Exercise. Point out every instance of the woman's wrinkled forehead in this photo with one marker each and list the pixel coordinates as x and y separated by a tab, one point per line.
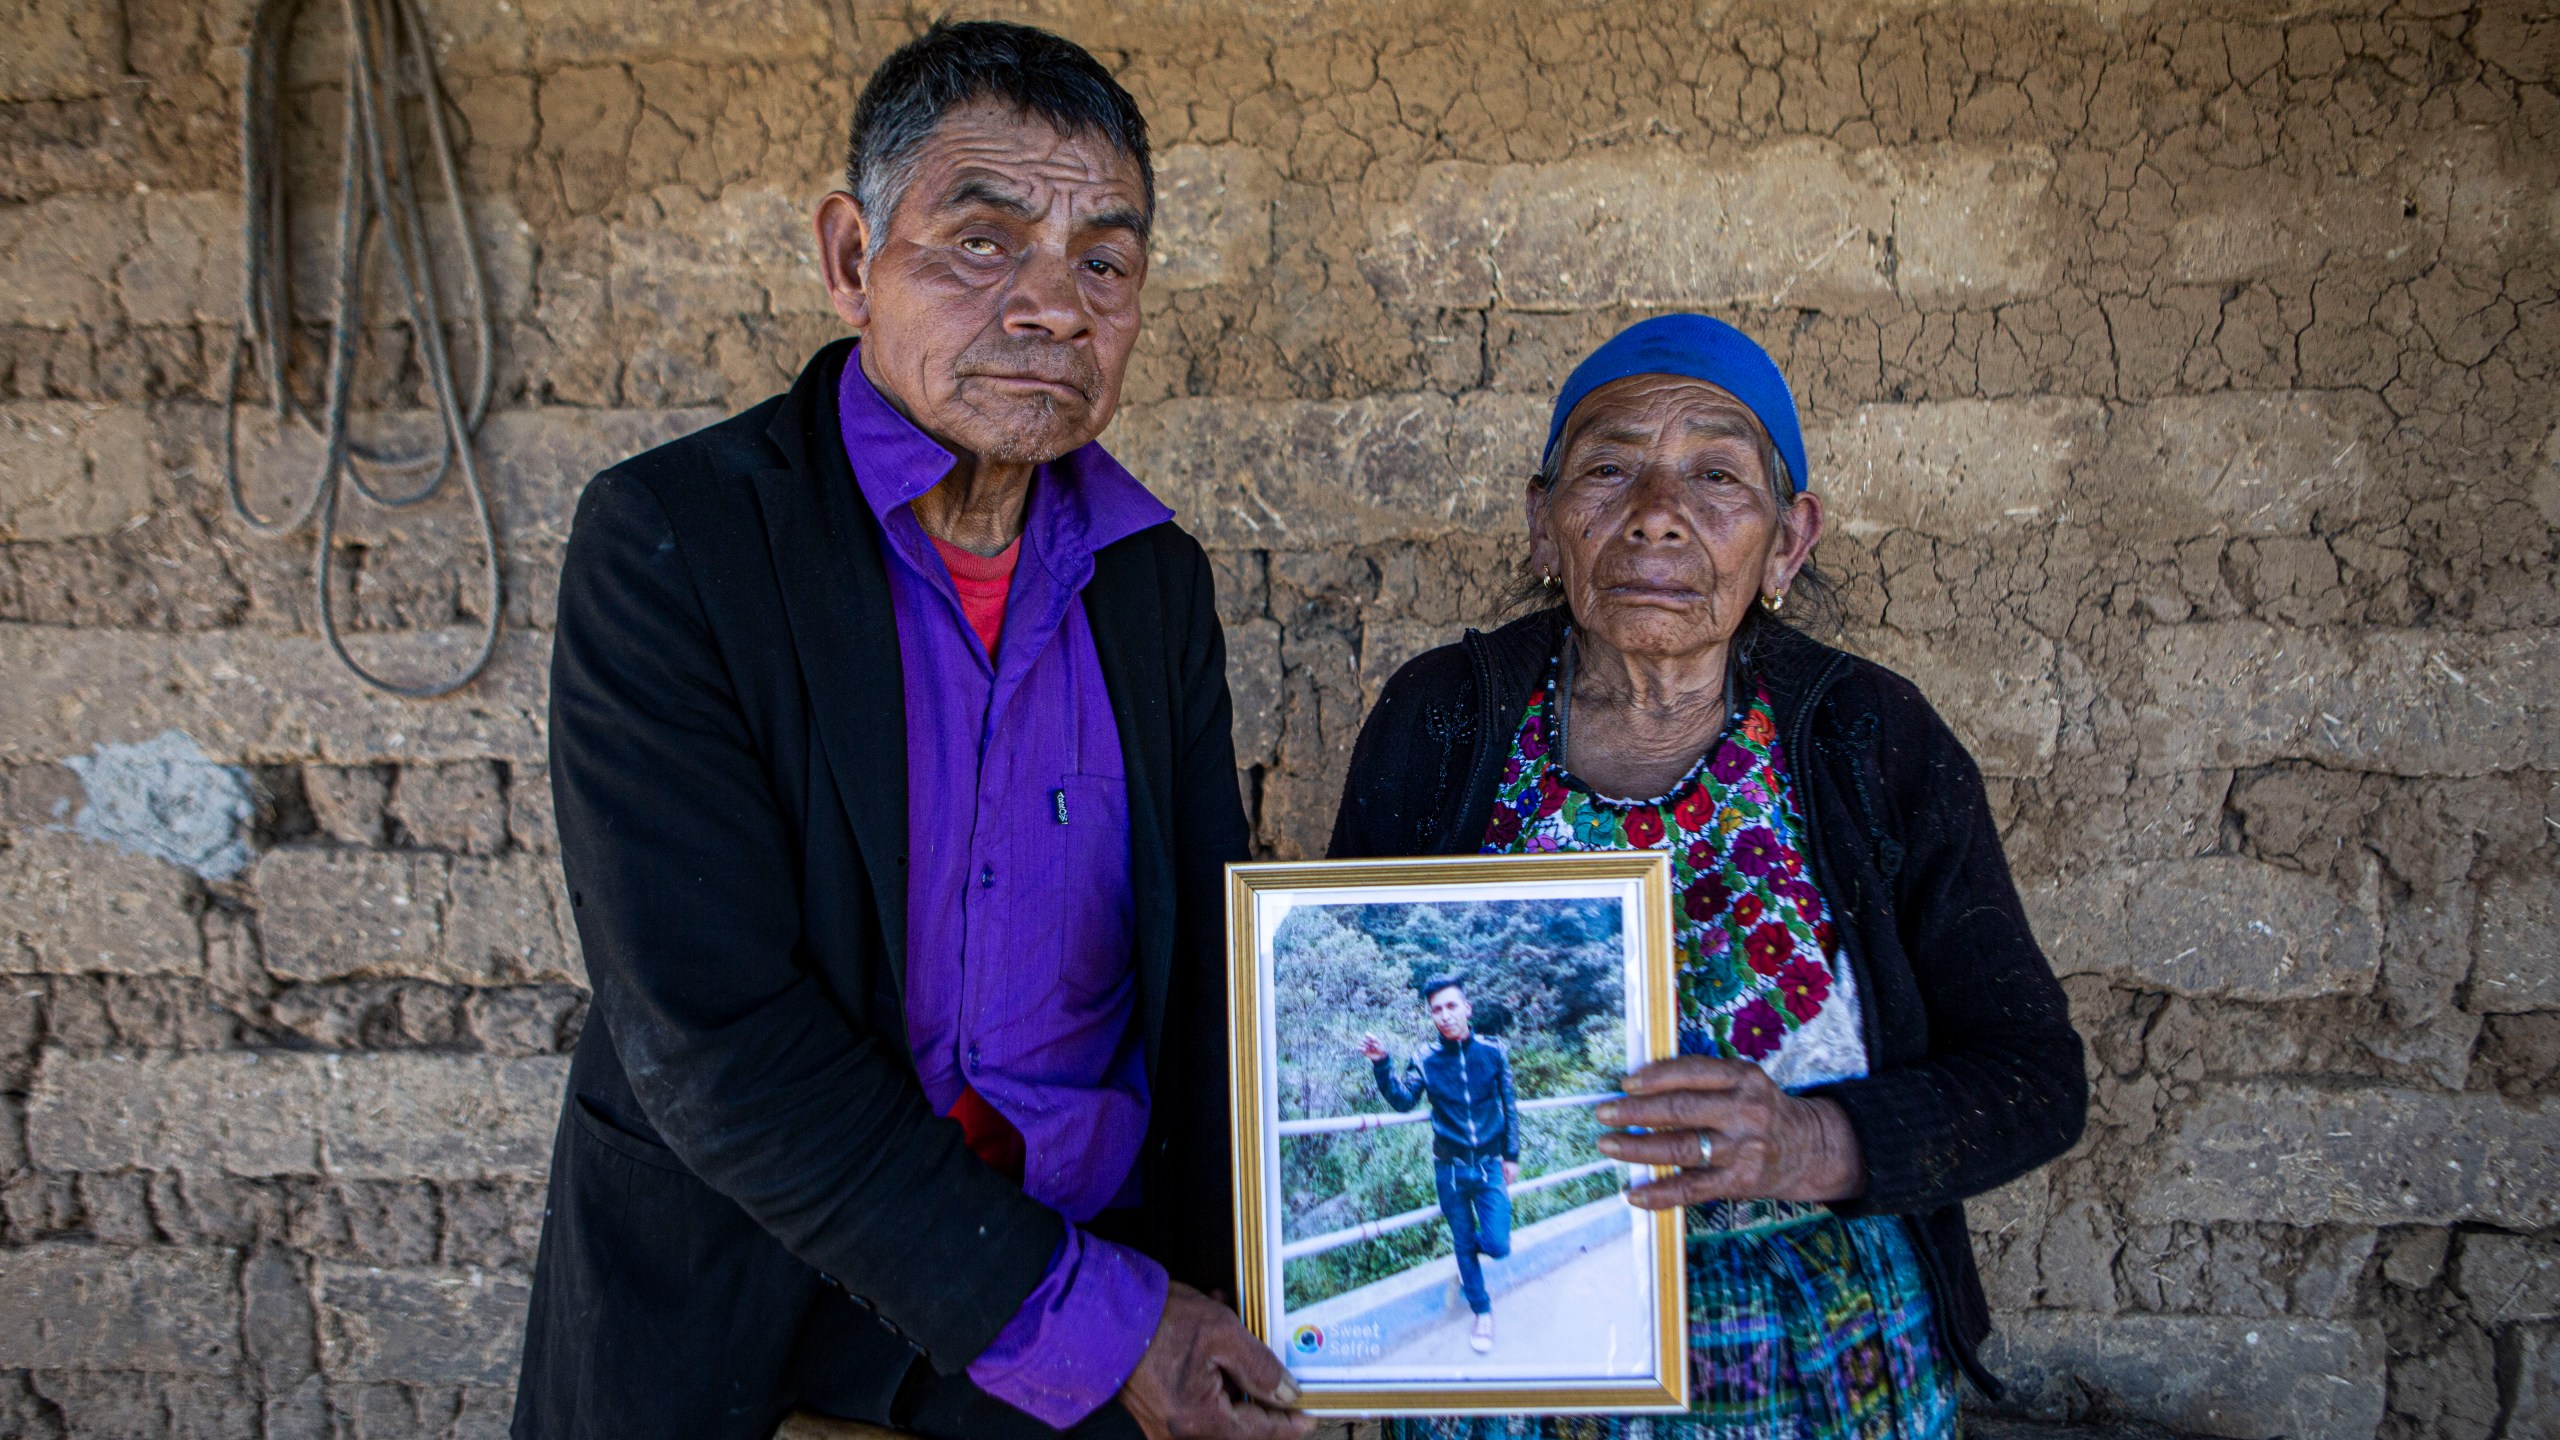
1644	409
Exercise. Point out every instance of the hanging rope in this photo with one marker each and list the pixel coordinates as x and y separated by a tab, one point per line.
388	60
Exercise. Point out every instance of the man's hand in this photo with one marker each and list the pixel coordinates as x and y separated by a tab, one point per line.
1372	1047
1204	1377
1769	1145
1510	1173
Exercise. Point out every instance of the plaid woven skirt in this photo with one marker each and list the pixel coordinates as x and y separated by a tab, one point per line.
1802	1326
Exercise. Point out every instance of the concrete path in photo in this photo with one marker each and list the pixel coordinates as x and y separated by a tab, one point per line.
1578	1318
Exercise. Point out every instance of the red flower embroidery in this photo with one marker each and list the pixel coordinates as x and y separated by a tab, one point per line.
1804	986
1693	812
1749	899
1644	827
1757	1030
1706	897
1768	947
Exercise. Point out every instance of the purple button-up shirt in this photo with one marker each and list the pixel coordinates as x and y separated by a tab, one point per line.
1021	922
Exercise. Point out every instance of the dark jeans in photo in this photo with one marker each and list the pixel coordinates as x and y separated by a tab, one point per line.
1478	1205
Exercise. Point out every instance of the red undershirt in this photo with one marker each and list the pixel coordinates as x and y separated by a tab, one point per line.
984	583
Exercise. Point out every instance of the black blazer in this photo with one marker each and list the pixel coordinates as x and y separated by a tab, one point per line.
744	1141
1974	1068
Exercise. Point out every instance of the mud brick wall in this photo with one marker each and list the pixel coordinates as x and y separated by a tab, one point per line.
2181	378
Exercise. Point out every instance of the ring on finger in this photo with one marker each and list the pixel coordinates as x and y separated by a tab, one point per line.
1706	1149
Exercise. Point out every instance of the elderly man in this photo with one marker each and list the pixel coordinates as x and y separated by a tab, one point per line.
890	740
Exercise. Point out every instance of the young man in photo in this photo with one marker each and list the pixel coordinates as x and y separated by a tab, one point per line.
1475	1135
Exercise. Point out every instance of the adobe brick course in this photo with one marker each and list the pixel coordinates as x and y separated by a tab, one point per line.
166	1309
362	1116
2381	1156
72	906
452	1327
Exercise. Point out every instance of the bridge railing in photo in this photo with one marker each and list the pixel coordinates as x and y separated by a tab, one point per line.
1372	1229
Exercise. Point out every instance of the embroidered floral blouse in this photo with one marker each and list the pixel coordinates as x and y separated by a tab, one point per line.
1761	977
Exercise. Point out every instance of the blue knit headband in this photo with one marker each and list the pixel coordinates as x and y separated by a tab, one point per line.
1698	348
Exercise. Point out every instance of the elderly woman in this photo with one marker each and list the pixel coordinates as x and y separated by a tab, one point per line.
1868	1032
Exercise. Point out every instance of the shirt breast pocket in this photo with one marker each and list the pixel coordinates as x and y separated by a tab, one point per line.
1090	894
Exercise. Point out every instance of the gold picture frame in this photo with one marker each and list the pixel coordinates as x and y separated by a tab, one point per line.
1403	1344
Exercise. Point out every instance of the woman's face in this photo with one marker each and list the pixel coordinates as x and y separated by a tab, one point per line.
1660	525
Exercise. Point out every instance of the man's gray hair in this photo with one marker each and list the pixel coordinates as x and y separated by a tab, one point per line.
948	66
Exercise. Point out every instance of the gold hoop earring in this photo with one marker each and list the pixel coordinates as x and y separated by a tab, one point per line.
1774	601
1548	579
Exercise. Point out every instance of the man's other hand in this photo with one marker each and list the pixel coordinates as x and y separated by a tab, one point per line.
1372	1047
1204	1377
1510	1173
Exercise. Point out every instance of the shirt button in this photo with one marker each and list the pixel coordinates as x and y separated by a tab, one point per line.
973	1059
986	877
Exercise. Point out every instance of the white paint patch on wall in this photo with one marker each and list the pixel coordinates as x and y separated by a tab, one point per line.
163	798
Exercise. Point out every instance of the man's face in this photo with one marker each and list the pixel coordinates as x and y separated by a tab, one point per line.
1450	1011
1000	308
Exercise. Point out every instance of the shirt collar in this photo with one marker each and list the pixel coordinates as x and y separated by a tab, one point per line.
1083	501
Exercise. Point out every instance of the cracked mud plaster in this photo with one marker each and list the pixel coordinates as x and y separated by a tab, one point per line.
2183	379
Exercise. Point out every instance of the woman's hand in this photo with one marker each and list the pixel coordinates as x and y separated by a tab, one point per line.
1768	1145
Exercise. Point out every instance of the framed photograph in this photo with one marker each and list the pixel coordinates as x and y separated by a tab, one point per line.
1424	1224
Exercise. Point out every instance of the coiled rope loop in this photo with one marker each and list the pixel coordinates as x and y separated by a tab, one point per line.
388	60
